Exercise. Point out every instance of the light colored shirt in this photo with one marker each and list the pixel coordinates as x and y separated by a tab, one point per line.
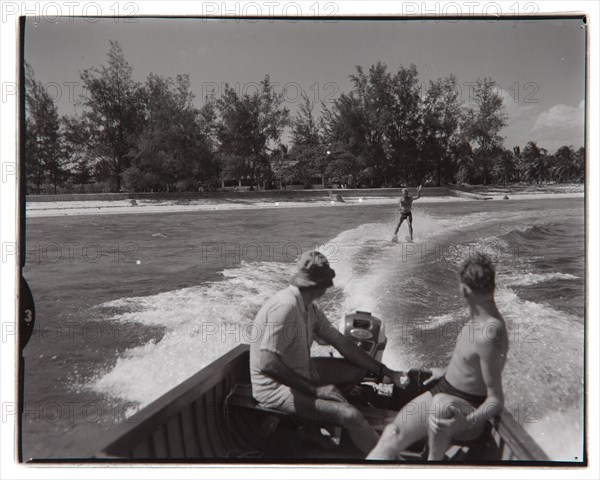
286	327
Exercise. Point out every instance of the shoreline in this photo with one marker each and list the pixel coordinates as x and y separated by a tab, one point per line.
130	206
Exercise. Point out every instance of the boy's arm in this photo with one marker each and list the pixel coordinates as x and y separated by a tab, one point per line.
418	193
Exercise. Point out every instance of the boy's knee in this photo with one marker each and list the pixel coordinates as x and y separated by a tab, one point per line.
446	406
391	435
391	431
443	406
389	444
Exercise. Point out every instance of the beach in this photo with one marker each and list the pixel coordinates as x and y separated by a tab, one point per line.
132	206
129	305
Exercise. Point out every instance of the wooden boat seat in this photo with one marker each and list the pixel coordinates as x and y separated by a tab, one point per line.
241	397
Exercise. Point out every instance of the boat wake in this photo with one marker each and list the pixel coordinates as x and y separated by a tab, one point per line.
412	287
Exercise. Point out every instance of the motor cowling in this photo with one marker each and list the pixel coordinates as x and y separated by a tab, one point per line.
367	331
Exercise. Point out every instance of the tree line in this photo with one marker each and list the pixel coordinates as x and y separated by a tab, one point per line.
387	131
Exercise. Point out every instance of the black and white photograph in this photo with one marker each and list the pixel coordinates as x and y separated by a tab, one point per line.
316	240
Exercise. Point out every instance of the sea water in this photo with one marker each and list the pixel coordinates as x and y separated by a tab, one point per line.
537	247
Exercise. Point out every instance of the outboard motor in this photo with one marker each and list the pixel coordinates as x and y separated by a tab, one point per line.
367	331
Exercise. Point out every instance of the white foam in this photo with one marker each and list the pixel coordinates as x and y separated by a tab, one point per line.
558	433
544	372
437	321
508	220
526	311
201	323
364	259
528	279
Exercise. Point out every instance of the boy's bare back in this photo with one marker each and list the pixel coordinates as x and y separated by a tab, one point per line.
480	339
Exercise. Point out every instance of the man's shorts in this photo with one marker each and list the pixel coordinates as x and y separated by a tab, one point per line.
292	401
404	216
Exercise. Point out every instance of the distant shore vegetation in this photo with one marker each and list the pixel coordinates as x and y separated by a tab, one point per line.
387	131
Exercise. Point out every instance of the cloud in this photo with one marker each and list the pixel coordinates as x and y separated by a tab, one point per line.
516	110
560	116
560	125
551	128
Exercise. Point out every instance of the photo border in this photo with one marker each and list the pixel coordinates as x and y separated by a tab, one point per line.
10	207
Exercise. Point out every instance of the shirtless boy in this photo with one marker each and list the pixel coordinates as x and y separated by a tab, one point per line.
469	391
405	204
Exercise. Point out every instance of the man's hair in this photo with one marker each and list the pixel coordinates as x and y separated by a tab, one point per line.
478	273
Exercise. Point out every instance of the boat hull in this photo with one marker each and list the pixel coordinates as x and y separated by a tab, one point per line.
193	423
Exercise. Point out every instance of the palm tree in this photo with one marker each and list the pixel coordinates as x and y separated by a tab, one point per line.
506	167
536	167
569	166
531	152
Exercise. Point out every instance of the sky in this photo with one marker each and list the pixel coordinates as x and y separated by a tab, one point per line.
539	66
